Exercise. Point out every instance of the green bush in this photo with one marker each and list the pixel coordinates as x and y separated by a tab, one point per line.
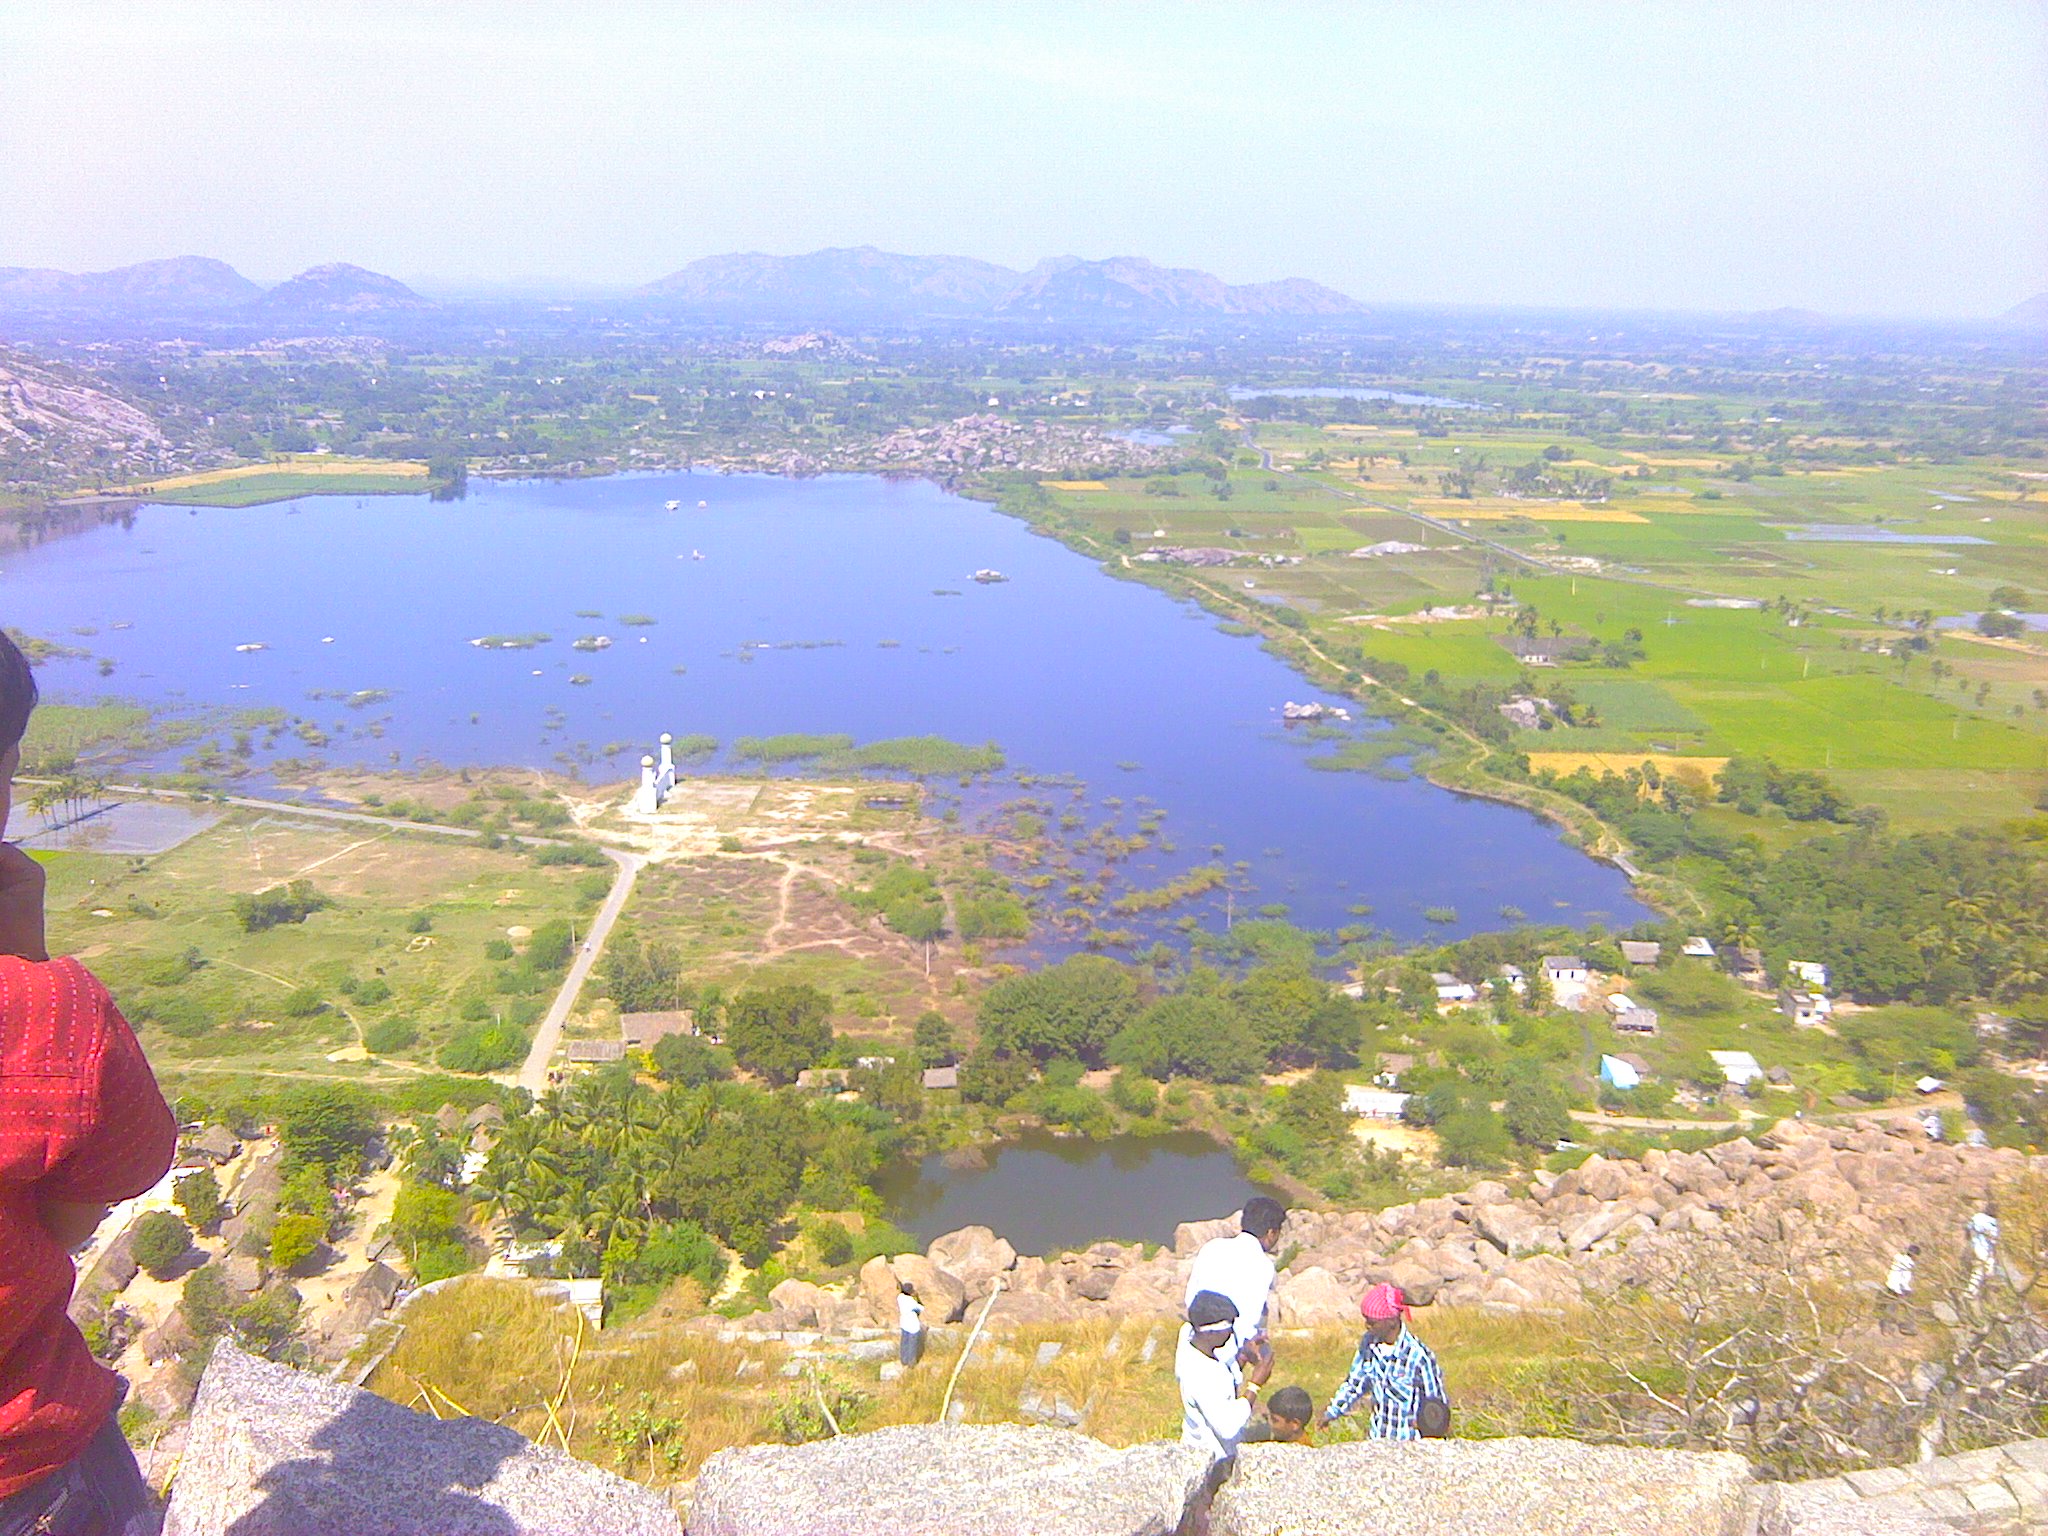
161	1240
389	1035
294	1240
483	1048
1474	1137
198	1196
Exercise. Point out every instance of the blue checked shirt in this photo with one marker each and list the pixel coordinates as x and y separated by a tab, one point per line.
1399	1377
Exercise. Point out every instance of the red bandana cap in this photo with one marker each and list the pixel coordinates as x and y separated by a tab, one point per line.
1382	1302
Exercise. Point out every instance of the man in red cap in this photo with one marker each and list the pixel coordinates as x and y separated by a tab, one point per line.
1398	1369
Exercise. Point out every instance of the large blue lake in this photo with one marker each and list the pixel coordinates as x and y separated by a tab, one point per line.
1139	697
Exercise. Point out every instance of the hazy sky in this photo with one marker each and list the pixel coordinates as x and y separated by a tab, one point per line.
1853	156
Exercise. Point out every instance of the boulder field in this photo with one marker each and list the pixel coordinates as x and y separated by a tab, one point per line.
1543	1242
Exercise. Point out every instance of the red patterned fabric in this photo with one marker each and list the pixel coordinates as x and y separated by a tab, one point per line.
81	1121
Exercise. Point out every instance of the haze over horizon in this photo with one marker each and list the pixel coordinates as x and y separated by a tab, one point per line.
1888	160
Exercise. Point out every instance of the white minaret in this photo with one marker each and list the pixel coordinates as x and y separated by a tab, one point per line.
644	798
665	775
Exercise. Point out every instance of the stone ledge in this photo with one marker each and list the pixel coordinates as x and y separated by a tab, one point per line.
275	1452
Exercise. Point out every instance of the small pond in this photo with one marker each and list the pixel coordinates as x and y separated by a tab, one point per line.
1045	1192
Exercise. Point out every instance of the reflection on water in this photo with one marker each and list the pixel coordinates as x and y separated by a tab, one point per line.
1045	1192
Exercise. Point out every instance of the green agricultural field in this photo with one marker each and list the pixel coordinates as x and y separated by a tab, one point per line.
403	938
257	490
1947	730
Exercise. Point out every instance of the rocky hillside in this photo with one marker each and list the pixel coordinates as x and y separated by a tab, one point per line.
175	284
54	420
1548	1242
273	1452
878	284
1131	285
857	280
339	287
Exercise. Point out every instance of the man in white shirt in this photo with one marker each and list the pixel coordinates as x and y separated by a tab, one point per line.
1980	1236
1216	1394
909	1326
1241	1266
1895	1306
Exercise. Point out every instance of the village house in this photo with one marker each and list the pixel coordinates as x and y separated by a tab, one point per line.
1517	980
1806	1010
1451	992
1374	1103
1746	965
1814	975
1636	1021
1640	952
211	1148
1697	946
1620	1072
1545	650
941	1077
639	1031
1738	1067
594	1052
1392	1065
1569	977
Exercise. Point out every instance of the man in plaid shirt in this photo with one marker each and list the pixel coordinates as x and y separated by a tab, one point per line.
1399	1371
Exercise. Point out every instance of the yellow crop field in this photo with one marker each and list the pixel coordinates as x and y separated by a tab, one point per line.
296	464
1078	485
1498	509
1619	763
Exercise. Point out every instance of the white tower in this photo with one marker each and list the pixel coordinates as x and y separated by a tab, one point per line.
665	775
646	799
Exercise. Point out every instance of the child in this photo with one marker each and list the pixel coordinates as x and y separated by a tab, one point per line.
1287	1418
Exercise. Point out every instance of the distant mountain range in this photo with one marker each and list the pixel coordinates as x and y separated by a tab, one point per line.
863	280
2032	313
201	285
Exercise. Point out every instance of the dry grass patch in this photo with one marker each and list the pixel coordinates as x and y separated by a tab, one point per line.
1565	764
296	464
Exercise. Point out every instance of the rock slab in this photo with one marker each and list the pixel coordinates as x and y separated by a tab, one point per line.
274	1452
1514	1487
947	1480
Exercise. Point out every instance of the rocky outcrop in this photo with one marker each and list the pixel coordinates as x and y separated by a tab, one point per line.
988	1479
1483	1487
367	1298
2002	1488
1544	1242
273	1452
976	1255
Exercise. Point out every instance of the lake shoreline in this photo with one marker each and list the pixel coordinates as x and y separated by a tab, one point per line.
1459	773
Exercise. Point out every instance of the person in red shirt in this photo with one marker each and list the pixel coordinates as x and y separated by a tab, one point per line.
82	1125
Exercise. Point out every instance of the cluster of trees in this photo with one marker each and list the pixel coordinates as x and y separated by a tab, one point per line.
1751	783
616	1169
1092	1010
1929	918
290	903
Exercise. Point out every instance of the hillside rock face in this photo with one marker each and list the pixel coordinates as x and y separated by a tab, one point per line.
1482	1487
1545	1244
987	1479
274	1452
